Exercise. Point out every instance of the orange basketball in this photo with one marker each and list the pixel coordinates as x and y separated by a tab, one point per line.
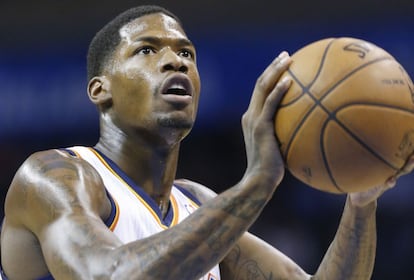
347	122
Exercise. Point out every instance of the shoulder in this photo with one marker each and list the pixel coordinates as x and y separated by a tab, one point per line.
201	192
49	161
50	183
53	166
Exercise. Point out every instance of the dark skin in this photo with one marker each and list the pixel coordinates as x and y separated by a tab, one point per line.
56	203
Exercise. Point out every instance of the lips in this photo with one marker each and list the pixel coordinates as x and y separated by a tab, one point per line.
177	84
177	89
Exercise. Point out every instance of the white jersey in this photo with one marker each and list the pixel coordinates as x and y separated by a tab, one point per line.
135	215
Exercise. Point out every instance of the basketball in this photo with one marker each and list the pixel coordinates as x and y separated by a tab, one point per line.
347	122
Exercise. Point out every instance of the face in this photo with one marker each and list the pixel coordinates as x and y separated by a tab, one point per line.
153	79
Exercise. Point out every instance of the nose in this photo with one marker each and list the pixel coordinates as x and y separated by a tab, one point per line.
171	61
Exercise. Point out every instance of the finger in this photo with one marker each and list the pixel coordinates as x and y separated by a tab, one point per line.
275	69
273	100
407	168
267	81
390	183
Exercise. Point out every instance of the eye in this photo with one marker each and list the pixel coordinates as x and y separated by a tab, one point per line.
145	50
186	53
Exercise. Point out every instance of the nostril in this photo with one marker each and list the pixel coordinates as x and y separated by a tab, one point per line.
183	69
168	67
172	67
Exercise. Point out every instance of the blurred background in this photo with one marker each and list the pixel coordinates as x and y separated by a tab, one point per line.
43	102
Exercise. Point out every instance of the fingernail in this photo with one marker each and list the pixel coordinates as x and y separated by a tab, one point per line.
284	60
284	53
286	80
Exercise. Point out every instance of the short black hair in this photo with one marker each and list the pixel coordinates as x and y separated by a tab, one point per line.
107	39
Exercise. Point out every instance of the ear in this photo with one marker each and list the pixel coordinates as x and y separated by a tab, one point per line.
99	91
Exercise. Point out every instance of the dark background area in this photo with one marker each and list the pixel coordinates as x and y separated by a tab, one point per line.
43	102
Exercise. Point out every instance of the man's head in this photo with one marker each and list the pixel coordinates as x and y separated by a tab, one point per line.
143	74
107	39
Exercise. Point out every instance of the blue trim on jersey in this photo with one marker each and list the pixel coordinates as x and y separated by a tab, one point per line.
188	194
108	222
170	214
69	151
3	276
47	277
110	219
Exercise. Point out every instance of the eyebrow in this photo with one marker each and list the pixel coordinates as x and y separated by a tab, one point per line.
156	40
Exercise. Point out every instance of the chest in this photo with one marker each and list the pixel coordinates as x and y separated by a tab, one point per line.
136	216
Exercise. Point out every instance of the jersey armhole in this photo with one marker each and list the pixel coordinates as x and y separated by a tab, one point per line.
112	220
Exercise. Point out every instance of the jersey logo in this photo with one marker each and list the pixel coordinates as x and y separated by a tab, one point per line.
190	209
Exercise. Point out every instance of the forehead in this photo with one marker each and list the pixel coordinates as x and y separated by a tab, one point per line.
151	25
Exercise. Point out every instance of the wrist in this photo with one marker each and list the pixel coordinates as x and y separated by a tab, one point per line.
271	178
362	210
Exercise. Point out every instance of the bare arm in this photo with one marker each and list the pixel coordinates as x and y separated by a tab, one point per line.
62	202
351	255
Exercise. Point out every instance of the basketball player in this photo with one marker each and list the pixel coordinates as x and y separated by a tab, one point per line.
116	211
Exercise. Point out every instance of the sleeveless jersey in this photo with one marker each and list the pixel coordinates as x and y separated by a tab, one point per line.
135	215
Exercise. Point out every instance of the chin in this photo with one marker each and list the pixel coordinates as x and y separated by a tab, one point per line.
176	123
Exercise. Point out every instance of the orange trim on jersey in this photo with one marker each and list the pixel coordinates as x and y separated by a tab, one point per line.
173	204
117	209
116	218
195	204
76	153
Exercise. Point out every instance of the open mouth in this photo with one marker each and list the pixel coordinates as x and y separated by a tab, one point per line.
177	89
178	84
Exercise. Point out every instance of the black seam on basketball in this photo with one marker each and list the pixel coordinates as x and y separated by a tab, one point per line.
349	75
299	95
306	90
318	102
332	117
334	114
324	158
371	103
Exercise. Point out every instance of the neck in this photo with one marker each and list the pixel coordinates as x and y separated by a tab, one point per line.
150	162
